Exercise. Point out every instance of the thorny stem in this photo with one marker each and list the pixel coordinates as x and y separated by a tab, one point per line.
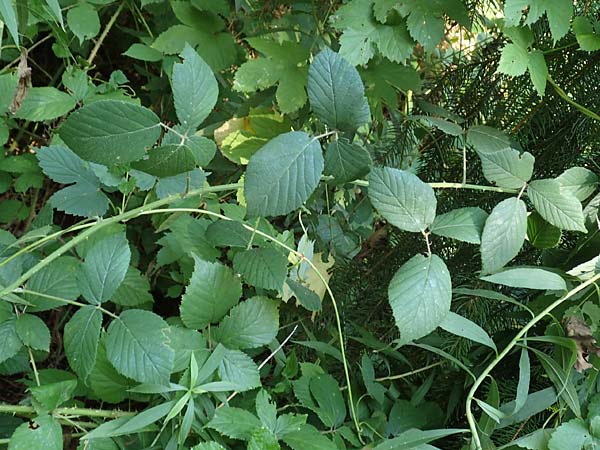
70	412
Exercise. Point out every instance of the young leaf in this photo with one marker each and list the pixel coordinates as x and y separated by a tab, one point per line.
262	267
212	292
402	198
252	323
578	182
195	89
111	132
461	326
507	167
167	161
33	332
136	345
239	370
81	338
336	92
420	293
104	268
263	439
557	207
235	423
503	234
283	174
464	224
346	161
45	433
528	277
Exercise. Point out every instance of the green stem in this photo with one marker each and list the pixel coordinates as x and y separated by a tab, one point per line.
102	37
70	412
572	102
506	351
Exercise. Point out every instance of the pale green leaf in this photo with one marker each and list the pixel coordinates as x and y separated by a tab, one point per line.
143	53
507	167
33	332
64	166
45	103
167	161
195	89
538	71
239	371
487	139
461	326
80	199
587	37
136	345
464	224
266	409
252	323
283	174
346	161
425	27
571	435
262	267
420	293
44	434
336	92
503	234
305	296
402	198
83	21
104	268
513	60
213	290
235	423
538	440
394	41
111	132
81	338
578	182
528	277
557	207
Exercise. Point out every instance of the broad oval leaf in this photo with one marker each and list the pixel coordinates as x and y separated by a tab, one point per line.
136	345
262	267
45	103
578	182
81	338
528	277
336	92
402	198
420	294
464	224
57	280
234	422
239	371
44	433
503	234
11	344
346	161
195	89
283	174
33	332
167	161
212	292
507	167
557	207
104	268
487	139
111	132
461	326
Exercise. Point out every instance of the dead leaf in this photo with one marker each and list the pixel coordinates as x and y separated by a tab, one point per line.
581	333
23	85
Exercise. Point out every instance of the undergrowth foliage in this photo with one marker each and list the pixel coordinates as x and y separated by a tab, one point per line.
193	194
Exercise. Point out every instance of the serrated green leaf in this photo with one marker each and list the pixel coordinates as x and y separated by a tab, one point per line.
425	27
134	290
578	182
346	161
213	290
238	369
336	92
487	139
263	439
11	344
507	167
587	37
252	323
136	345
111	132
81	338
45	103
538	71
305	296
402	198
57	280
105	381
64	166
83	21
33	332
167	161
45	433
186	342
528	277
234	422
104	268
330	408
266	409
420	293
464	224
572	435
283	174
308	438
503	234
262	267
461	326
143	53
229	233
513	60
540	233
195	89
557	207
80	199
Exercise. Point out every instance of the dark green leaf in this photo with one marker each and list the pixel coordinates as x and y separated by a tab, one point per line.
81	338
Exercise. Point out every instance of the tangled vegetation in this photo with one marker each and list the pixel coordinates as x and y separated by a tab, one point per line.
305	225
